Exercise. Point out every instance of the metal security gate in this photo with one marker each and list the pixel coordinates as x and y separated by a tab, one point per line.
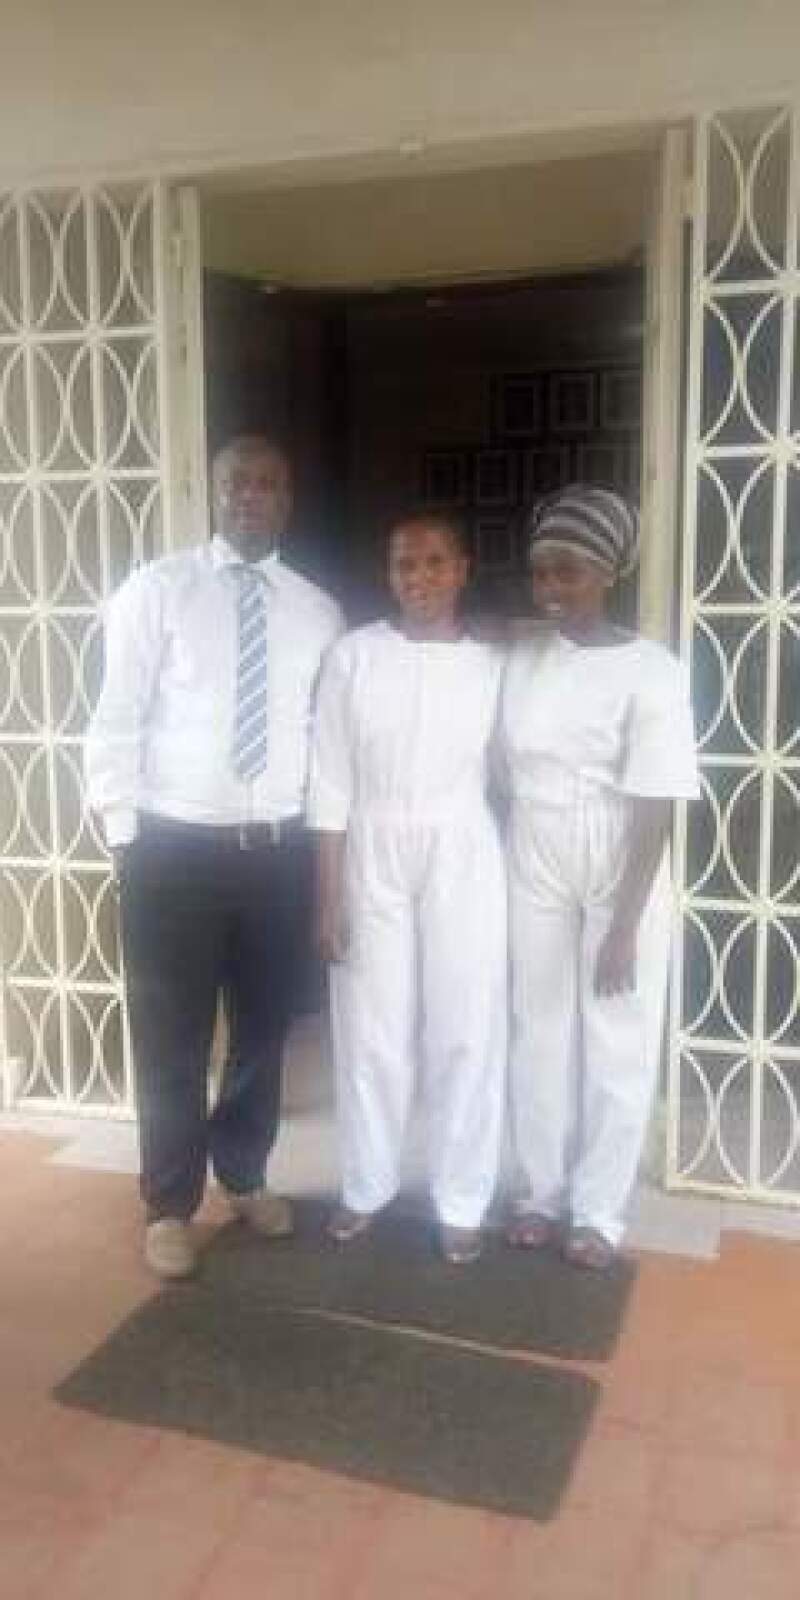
734	1111
99	469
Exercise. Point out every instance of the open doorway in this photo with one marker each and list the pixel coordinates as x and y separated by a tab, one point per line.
479	398
469	339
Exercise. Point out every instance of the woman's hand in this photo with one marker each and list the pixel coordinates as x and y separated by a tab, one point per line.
615	969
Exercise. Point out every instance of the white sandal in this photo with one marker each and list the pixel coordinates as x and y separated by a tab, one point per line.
344	1225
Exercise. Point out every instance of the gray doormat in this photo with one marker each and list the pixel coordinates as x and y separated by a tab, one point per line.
510	1299
381	1404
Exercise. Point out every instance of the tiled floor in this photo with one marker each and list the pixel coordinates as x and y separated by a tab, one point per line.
687	1489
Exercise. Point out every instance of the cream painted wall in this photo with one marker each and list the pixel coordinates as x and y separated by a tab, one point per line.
536	219
187	85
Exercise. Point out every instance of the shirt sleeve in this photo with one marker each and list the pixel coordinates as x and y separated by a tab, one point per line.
114	745
661	755
330	784
336	624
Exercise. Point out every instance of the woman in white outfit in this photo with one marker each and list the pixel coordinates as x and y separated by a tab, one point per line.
412	904
597	740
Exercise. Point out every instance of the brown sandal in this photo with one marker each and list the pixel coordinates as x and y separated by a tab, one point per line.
531	1230
585	1247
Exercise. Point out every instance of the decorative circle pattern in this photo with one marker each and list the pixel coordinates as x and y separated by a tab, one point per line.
735	1069
80	505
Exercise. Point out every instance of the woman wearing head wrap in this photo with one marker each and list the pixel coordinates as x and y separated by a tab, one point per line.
597	741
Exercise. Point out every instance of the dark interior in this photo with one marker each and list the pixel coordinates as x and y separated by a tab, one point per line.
478	398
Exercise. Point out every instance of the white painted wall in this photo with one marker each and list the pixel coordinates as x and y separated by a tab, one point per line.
186	85
528	220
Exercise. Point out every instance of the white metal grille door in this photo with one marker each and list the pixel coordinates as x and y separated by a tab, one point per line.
735	1070
82	447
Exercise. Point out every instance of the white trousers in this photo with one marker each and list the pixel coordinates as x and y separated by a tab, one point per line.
425	981
582	1065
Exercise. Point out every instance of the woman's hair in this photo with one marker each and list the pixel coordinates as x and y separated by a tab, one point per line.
450	523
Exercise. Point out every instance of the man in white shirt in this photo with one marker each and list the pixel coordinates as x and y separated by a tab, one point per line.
196	759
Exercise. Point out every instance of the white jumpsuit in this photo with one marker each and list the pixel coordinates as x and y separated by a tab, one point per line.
581	731
398	762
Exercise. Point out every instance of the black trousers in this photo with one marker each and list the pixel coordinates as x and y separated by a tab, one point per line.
203	915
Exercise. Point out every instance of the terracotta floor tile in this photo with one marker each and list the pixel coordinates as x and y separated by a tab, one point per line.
36	1352
26	1414
40	1535
245	1571
186	1480
33	1558
673	1567
757	1305
663	1281
635	1394
335	1524
735	1313
793	1426
79	1459
23	1510
44	1336
701	1492
615	1472
757	1566
428	1541
582	1555
132	1558
736	1415
792	1469
22	1154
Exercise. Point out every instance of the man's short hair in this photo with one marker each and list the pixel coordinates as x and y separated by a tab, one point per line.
250	444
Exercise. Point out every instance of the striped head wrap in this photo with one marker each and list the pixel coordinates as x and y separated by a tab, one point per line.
596	522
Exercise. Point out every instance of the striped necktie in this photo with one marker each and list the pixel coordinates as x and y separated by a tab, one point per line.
250	718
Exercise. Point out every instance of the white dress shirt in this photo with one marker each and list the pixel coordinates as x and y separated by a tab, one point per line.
161	737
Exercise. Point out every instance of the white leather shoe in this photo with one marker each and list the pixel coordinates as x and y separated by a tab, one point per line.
169	1248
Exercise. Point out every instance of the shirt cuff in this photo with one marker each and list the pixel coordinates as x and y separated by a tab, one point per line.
649	788
121	826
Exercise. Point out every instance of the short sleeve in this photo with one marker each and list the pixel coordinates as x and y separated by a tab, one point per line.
330	768
661	754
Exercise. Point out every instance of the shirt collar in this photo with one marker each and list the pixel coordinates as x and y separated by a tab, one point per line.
223	555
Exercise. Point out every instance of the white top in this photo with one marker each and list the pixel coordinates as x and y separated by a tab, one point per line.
616	715
402	727
161	736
